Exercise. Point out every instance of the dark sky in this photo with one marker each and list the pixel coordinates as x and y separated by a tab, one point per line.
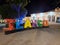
36	6
2	2
40	5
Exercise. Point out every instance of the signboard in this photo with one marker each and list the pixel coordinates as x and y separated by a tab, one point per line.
36	20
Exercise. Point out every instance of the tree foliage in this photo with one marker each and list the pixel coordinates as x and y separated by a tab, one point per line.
7	12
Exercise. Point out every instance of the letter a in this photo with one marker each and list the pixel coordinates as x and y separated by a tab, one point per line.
27	23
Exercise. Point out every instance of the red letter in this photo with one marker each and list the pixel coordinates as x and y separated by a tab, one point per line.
10	23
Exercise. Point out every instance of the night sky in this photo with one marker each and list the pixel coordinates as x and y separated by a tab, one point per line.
36	6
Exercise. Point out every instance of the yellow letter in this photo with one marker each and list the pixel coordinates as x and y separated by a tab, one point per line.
27	23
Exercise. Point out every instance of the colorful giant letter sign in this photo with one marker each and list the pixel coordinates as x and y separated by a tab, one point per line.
34	23
45	23
10	23
27	23
19	24
40	23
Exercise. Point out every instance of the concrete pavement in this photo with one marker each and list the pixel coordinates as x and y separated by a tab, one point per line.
44	36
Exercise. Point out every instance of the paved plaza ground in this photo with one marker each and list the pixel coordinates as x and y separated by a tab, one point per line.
43	36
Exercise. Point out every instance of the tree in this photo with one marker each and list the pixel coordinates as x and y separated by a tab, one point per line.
13	8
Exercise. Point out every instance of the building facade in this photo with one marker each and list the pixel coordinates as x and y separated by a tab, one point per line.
54	16
51	16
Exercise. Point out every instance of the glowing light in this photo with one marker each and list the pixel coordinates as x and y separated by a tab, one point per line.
41	14
33	16
51	13
37	16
